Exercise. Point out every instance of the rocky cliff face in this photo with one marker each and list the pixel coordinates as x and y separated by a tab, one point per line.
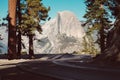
4	39
62	34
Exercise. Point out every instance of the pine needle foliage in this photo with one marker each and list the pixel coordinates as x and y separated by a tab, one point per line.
98	15
89	46
33	11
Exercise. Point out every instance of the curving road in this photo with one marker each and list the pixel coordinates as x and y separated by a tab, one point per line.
56	67
48	68
11	72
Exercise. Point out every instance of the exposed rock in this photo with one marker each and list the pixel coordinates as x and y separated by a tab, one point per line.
62	34
4	39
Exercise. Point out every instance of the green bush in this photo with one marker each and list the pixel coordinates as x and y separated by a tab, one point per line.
89	45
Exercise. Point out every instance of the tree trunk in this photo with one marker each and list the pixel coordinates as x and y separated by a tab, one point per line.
102	32
19	48
31	49
12	30
19	44
102	38
112	52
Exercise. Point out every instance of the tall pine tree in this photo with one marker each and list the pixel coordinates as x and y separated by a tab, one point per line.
98	16
33	12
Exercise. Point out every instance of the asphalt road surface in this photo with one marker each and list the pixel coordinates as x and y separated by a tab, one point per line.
68	73
14	73
47	70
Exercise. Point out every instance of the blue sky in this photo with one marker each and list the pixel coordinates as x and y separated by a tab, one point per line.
76	6
3	8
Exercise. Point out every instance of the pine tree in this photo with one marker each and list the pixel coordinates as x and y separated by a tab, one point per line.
33	12
12	29
112	52
98	16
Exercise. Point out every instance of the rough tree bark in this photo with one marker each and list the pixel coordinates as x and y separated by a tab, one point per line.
102	38
12	29
19	48
31	49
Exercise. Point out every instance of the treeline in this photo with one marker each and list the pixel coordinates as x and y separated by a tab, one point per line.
24	17
100	14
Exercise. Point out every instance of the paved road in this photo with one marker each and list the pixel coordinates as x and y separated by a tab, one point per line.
35	69
67	73
14	73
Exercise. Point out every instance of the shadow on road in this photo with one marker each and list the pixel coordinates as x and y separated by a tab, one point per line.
14	73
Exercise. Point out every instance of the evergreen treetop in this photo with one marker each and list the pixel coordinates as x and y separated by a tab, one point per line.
33	11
